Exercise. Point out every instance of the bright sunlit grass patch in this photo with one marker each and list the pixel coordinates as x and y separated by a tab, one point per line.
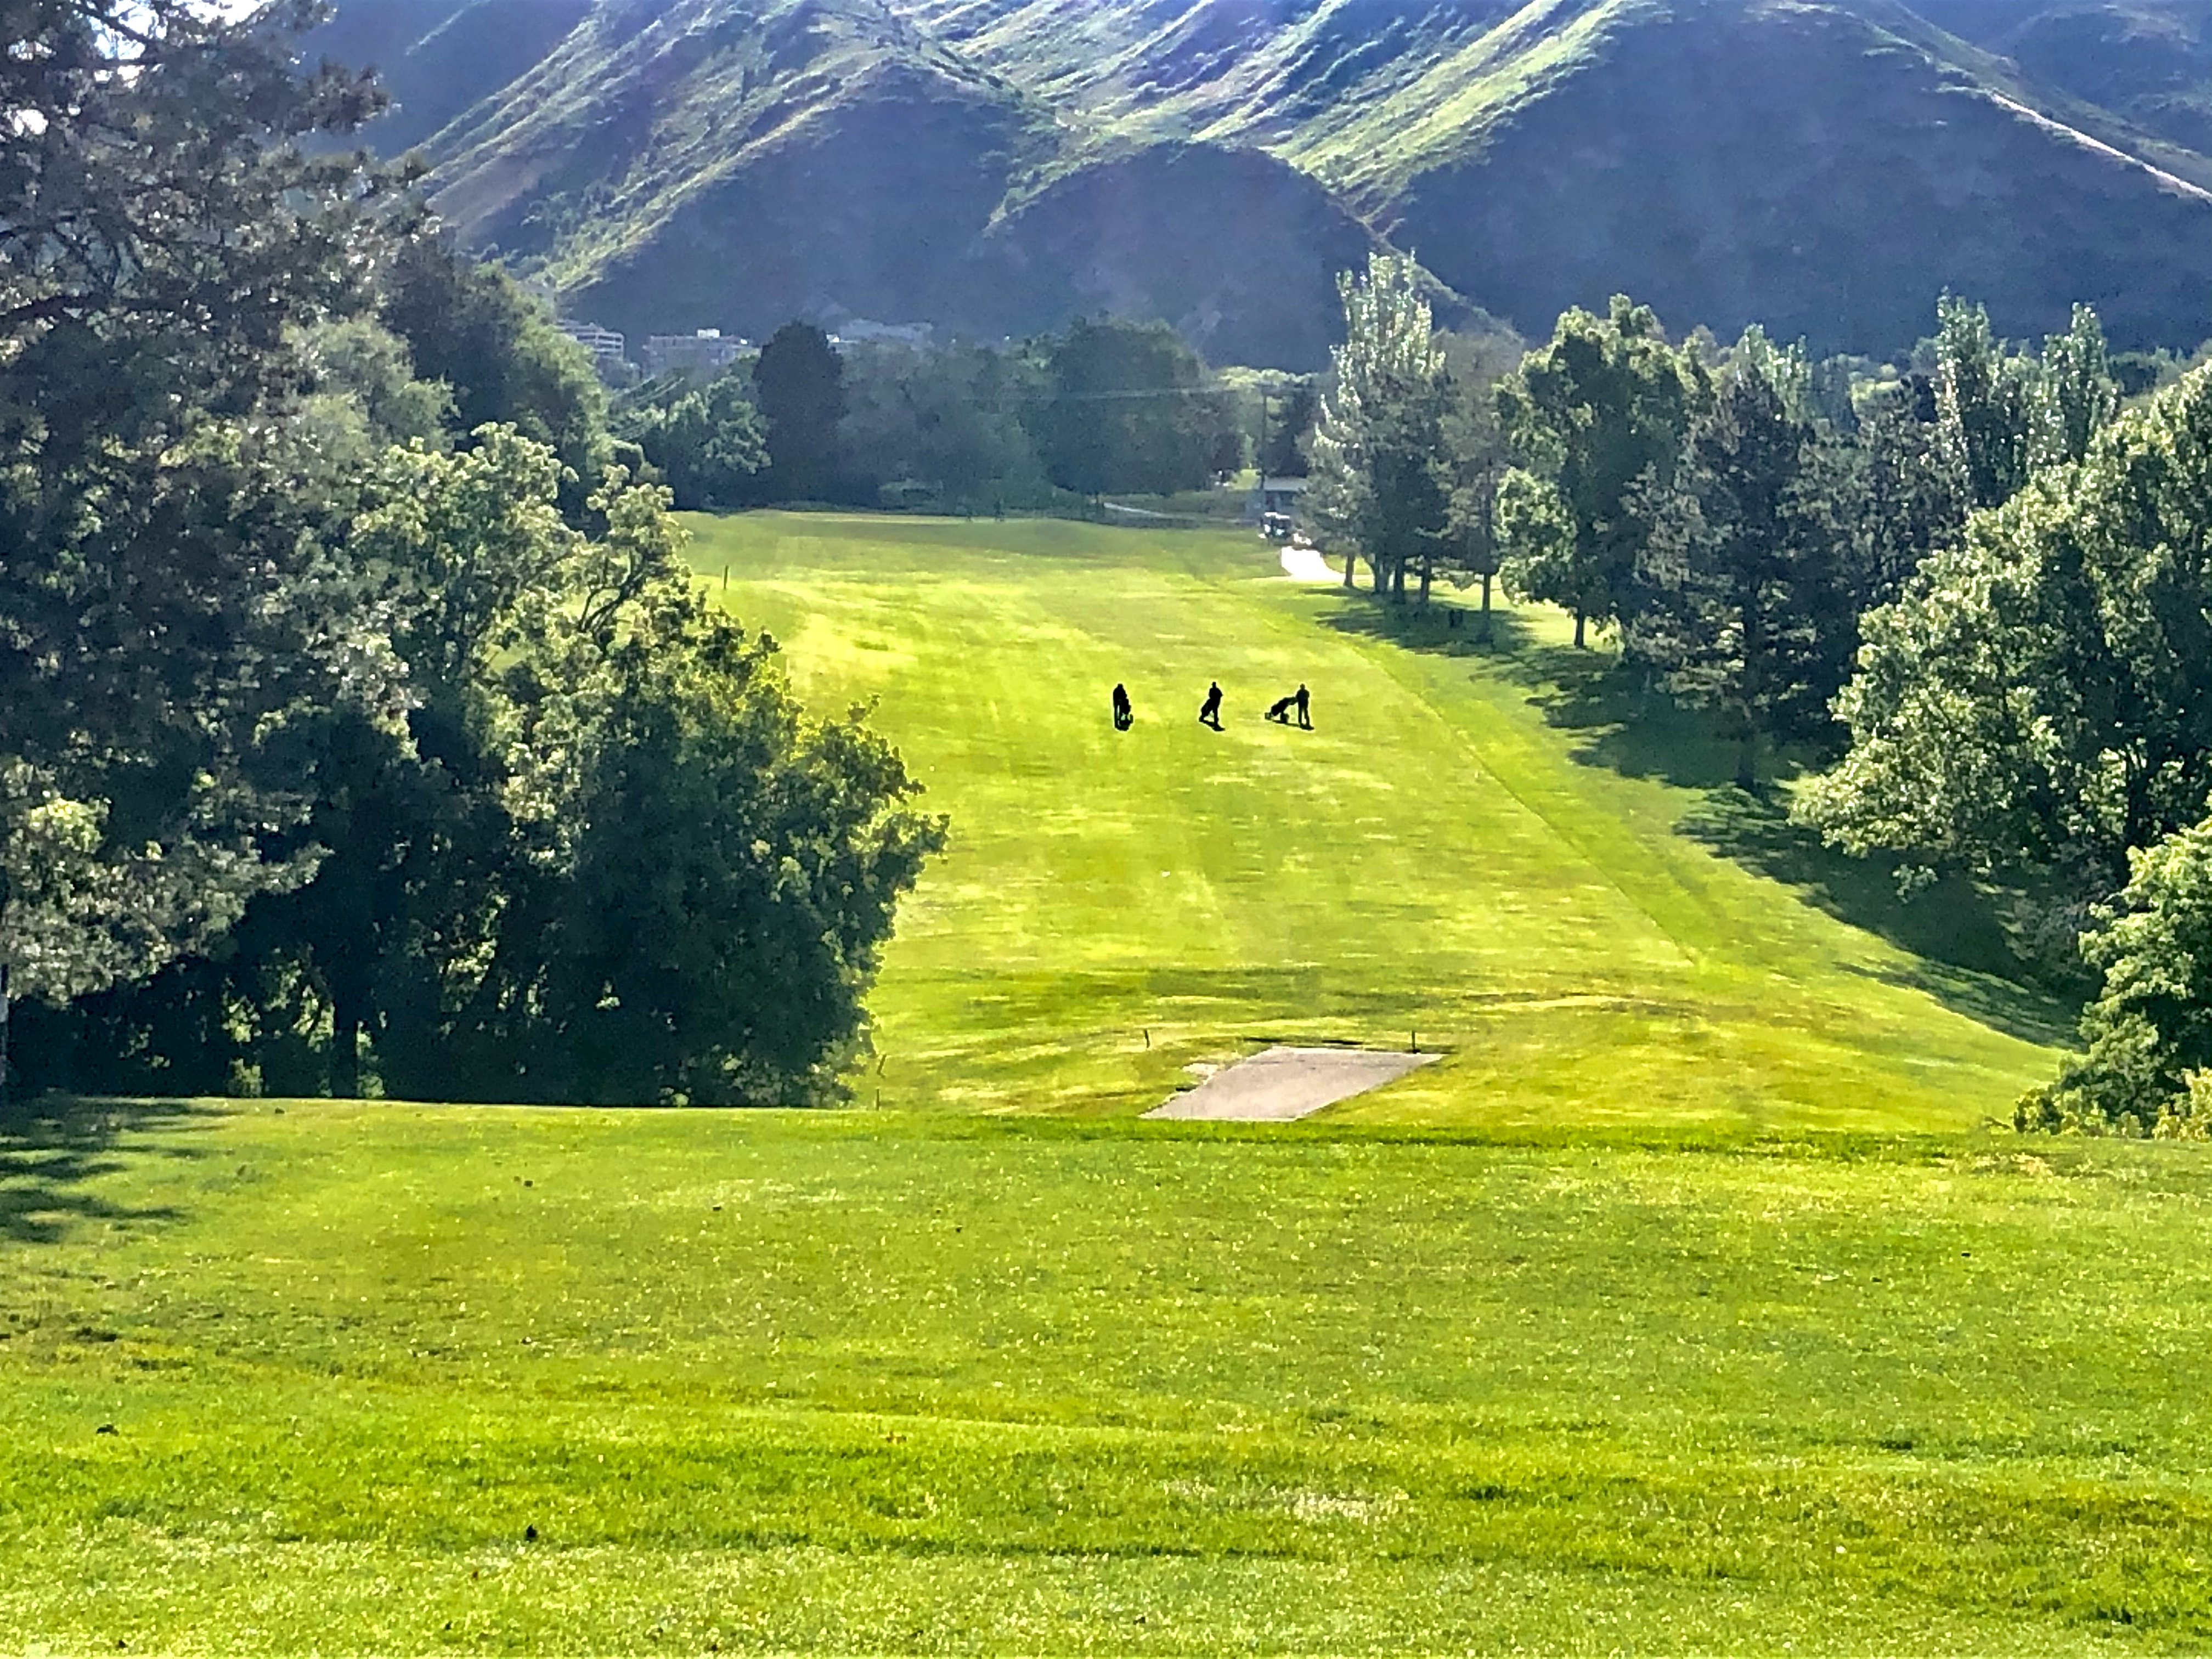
288	1375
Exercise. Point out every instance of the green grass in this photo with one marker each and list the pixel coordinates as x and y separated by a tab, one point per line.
1681	1309
1494	850
915	1381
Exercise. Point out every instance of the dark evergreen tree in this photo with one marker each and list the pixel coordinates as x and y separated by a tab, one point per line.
799	387
175	637
1747	616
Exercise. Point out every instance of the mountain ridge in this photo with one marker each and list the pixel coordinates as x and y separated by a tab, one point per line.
1826	166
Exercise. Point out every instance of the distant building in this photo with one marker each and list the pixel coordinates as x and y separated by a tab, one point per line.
1274	496
861	331
610	352
704	353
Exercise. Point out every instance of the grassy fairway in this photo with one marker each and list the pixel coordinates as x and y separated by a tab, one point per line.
1442	855
881	1381
1572	1342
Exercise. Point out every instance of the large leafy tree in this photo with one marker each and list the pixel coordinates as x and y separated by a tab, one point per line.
1380	484
707	441
1127	408
611	858
1749	616
1596	418
2147	1064
946	423
2038	701
175	635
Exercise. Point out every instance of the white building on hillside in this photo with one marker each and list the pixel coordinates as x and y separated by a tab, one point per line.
610	352
704	353
860	331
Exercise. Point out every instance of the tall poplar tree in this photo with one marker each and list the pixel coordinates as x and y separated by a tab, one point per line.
1380	484
2075	396
1984	400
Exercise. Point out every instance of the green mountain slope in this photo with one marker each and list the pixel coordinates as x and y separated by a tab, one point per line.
1827	166
669	165
2149	60
437	58
1808	167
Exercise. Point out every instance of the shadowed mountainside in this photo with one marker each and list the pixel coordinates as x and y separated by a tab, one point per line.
997	167
2148	60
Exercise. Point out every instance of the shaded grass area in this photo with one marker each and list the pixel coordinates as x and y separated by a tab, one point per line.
410	1379
1618	720
1481	848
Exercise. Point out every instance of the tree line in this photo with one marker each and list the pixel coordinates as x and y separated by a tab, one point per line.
1974	599
362	726
1106	407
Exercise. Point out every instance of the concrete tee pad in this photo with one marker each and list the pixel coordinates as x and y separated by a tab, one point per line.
1280	1083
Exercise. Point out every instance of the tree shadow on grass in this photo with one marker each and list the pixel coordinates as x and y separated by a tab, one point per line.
54	1151
1501	636
1618	719
1962	955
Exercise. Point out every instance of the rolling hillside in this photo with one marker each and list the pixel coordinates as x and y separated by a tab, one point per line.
997	167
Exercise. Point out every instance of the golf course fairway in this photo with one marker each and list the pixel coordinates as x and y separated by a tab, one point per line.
1690	1303
1474	850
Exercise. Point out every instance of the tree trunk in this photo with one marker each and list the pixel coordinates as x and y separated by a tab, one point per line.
1350	564
1486	604
7	1082
1398	581
1755	664
1425	578
345	1049
1578	630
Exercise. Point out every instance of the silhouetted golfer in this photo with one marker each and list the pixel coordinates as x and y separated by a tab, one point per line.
1124	716
1279	710
1209	713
